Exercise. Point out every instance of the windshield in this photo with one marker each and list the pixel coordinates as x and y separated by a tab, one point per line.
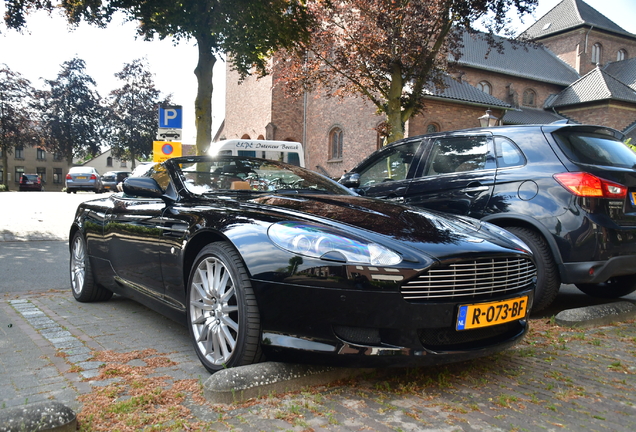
595	148
226	173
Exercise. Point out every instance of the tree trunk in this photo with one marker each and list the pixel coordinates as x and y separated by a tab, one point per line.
5	168
394	105
203	102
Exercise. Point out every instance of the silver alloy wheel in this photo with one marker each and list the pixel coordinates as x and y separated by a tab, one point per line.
214	311
78	266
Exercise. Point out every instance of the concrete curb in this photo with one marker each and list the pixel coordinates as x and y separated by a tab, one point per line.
245	382
596	315
41	416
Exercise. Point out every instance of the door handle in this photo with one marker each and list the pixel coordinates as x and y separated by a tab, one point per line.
475	189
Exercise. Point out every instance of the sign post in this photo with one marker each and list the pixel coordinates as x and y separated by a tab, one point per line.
164	150
170	117
170	127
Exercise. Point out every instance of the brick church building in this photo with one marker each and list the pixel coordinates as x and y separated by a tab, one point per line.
583	70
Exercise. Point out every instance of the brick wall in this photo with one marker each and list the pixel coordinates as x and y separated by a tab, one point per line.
510	88
357	119
613	114
448	116
579	43
248	106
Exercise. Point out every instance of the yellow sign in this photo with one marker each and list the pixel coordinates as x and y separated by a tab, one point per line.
164	150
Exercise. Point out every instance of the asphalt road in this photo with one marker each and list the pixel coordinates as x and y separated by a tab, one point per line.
33	239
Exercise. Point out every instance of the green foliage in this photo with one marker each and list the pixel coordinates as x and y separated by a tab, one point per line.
17	119
73	120
247	31
134	107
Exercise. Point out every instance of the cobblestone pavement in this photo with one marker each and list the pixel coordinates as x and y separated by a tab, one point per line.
96	358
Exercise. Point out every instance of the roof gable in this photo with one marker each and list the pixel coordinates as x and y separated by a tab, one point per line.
570	14
530	61
464	92
595	86
624	71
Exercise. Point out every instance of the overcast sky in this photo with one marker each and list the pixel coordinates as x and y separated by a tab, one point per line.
47	43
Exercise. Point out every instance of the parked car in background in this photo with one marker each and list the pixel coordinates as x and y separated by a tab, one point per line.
258	256
31	182
83	178
568	191
111	179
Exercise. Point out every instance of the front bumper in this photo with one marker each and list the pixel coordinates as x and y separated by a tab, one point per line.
353	328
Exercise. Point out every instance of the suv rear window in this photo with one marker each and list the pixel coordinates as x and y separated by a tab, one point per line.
595	148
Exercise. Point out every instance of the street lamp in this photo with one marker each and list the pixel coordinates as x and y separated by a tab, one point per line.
488	120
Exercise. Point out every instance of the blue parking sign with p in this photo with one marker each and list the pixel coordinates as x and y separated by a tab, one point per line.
170	117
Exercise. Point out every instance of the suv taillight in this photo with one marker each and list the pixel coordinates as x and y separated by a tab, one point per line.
588	185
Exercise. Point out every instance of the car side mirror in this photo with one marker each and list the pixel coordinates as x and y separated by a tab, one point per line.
350	180
145	187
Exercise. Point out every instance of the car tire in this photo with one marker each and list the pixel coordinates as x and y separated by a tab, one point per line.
615	287
82	281
548	280
68	191
222	312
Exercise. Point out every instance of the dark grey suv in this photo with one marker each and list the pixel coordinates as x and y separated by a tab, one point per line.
568	191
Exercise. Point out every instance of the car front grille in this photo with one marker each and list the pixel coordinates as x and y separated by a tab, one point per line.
471	280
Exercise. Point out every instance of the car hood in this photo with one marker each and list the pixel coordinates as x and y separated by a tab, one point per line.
435	234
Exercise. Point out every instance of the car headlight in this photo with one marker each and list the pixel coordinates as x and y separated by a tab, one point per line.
506	234
318	241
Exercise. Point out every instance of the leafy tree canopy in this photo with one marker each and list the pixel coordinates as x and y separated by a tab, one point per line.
17	125
74	123
248	31
134	112
387	51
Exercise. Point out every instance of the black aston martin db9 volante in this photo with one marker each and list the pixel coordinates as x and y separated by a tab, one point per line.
264	259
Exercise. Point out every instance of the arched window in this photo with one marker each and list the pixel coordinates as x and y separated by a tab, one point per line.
245	136
621	55
596	53
485	87
529	98
432	128
335	143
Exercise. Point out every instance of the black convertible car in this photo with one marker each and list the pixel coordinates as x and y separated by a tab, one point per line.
264	259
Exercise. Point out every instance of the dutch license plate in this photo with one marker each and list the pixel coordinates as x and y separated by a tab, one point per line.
80	178
493	313
633	196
